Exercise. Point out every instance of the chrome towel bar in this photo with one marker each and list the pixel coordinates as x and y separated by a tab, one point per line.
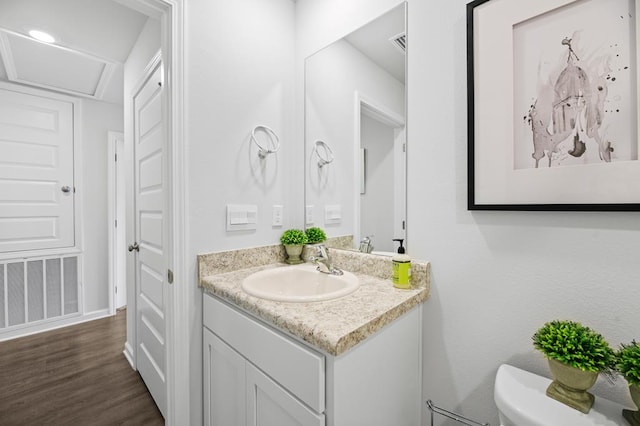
454	416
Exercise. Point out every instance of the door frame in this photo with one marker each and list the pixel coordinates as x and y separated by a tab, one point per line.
171	15
117	246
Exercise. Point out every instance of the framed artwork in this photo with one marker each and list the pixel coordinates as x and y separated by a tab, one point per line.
553	105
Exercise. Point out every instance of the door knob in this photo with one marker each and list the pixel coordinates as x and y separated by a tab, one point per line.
66	189
134	246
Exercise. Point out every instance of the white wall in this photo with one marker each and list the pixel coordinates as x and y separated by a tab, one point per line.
333	76
496	276
239	73
98	118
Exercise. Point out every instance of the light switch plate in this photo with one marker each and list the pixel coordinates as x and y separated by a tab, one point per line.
277	215
308	215
332	214
241	217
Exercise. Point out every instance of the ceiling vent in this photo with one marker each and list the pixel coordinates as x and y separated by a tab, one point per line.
399	41
31	62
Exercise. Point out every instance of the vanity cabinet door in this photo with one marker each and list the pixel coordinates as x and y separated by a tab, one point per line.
224	382
268	404
298	369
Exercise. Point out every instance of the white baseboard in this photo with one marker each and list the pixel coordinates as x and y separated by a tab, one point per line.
128	354
53	324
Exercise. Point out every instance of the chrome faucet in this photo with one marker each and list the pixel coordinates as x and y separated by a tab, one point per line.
366	245
323	260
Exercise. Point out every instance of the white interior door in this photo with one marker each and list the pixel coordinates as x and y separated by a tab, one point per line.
151	244
36	172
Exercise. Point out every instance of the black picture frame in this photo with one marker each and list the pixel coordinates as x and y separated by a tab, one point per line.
625	178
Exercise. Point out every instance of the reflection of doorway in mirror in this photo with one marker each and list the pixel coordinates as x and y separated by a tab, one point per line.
364	70
382	205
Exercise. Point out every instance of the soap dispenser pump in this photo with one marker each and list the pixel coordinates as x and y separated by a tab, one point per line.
401	264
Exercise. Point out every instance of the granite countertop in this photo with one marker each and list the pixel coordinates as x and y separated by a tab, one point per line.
333	326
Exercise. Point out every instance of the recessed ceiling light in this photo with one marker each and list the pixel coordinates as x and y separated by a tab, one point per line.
42	36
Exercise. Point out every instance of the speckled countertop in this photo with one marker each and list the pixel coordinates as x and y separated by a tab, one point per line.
334	326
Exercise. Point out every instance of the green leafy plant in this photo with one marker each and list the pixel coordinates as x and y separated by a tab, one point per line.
292	237
628	362
576	345
315	235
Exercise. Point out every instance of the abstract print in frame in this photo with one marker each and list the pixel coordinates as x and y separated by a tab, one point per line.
568	87
574	91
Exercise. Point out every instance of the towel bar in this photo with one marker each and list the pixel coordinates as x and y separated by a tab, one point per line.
454	416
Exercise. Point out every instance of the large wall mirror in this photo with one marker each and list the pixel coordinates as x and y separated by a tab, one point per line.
355	134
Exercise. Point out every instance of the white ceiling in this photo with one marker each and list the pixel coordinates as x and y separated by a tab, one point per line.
373	41
93	40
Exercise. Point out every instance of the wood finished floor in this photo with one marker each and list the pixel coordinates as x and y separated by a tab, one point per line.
73	376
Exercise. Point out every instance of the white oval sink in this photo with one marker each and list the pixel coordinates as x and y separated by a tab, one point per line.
299	283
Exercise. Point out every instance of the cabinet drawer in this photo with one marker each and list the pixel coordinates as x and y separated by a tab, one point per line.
298	369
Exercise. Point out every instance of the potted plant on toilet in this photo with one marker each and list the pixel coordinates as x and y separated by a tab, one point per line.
293	240
628	364
576	356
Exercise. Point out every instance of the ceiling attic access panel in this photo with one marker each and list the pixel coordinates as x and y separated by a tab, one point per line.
31	62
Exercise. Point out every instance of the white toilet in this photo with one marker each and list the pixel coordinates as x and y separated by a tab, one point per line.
521	400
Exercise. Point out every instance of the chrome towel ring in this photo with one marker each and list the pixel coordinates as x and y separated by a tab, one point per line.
326	157
273	142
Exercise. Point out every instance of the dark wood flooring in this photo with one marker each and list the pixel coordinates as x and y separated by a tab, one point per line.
73	376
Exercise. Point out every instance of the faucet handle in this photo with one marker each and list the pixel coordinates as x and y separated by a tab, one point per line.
366	245
322	251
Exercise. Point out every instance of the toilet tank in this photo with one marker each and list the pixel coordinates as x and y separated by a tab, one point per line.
521	401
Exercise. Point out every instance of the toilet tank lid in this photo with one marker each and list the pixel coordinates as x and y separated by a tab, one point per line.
520	396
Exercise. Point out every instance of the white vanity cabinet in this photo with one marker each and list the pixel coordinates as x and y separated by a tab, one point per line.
238	393
256	375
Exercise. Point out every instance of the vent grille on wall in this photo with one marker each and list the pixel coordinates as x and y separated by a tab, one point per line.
38	290
399	42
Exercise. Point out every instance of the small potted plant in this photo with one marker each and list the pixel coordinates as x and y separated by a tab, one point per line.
628	364
293	241
315	235
576	356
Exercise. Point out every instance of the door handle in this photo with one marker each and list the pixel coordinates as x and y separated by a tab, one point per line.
134	246
66	189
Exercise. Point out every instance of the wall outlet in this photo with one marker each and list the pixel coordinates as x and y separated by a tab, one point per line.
277	215
308	215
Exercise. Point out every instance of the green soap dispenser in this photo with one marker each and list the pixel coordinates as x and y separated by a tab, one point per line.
401	264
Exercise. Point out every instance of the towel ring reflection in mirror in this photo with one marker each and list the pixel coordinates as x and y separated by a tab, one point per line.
272	143
324	157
